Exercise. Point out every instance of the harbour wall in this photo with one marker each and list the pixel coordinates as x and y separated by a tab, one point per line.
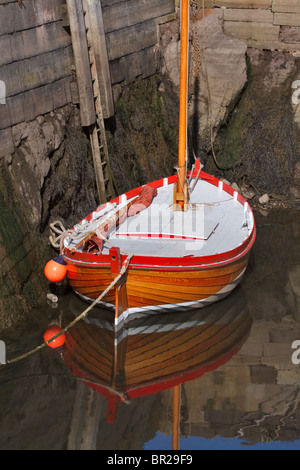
46	168
36	62
263	24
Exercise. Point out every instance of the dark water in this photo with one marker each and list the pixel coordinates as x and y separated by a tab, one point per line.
242	393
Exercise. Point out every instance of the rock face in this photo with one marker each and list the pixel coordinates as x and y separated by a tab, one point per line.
219	74
44	167
261	142
49	176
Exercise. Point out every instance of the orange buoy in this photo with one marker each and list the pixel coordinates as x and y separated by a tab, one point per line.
51	332
55	270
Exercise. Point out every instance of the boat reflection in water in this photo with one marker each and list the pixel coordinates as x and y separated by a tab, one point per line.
155	353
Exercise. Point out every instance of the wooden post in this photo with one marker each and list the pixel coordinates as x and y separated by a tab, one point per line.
82	62
180	195
111	408
98	40
176	417
121	300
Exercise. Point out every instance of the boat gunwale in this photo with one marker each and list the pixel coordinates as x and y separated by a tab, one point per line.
189	262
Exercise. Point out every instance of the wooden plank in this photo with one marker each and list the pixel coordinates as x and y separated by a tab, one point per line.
19	108
207	3
5	48
42	39
51	96
61	92
287	19
16	109
107	3
246	14
13	18
82	62
286	6
43	100
97	37
132	39
127	68
180	289
26	106
7	145
243	3
7	19
46	11
131	12
254	31
11	75
5	121
28	99
38	71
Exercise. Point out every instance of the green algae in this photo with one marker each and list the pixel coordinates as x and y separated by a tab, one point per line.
143	141
20	289
260	141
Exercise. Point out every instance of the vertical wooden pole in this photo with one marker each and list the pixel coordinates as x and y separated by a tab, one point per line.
176	417
180	195
82	62
98	40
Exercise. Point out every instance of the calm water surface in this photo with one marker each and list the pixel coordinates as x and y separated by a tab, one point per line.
234	366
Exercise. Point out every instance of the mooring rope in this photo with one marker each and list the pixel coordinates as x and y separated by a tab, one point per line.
80	317
58	228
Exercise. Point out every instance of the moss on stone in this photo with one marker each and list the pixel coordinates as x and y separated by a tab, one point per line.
261	140
143	143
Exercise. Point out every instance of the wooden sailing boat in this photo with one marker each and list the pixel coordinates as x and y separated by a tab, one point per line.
154	353
187	237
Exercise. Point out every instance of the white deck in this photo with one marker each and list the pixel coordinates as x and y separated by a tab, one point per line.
214	223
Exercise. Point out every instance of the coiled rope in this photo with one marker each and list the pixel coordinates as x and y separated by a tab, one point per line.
61	233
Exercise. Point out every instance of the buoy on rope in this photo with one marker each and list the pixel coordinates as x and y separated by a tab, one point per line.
55	270
51	332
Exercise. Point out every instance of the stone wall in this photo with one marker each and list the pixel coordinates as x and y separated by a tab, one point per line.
265	24
42	147
132	37
35	64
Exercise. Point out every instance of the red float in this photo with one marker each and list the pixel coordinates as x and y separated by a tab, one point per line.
51	332
55	271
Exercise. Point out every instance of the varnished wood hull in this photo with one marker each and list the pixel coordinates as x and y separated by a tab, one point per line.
160	289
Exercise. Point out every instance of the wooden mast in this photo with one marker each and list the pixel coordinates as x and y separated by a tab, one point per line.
176	417
180	192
